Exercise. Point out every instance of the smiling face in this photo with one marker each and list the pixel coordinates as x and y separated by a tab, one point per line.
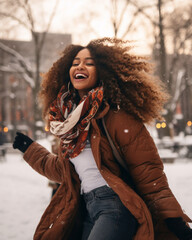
83	72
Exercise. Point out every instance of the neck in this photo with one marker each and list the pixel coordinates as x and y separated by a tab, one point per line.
82	93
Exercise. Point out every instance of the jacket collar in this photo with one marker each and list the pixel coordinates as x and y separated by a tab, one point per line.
103	110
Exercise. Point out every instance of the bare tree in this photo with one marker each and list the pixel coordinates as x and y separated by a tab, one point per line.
179	29
157	23
22	65
138	9
116	17
124	15
172	65
175	25
22	13
163	59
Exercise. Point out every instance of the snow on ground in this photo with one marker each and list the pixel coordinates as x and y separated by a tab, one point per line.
179	177
24	195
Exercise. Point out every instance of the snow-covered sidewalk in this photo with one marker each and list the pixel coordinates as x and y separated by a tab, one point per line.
24	195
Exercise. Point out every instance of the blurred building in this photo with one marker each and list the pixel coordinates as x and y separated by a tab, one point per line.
179	72
16	98
182	82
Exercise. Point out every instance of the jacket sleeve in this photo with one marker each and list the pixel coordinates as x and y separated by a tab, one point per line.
146	168
44	162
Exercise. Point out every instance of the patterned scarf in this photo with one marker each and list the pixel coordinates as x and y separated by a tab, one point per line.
70	122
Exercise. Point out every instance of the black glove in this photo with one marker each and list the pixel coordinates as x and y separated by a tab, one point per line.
179	227
22	142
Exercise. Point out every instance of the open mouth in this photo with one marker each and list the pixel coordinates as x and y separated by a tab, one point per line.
80	76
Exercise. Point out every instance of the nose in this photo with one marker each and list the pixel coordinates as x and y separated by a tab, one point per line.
80	66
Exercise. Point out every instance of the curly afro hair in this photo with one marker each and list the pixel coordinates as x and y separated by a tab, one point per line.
127	79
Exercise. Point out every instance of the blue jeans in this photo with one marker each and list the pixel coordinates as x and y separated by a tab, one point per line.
107	218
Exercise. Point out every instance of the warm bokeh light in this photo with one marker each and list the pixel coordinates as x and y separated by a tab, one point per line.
163	125
46	129
158	125
5	129
189	123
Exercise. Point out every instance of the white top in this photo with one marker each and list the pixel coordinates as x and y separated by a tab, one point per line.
87	170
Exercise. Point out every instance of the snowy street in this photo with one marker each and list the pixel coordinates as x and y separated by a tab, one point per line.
25	194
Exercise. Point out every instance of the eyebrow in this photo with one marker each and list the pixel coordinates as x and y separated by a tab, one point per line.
87	58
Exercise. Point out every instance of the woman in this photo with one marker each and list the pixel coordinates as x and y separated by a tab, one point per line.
98	198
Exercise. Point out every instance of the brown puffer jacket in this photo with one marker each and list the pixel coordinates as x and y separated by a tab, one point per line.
150	202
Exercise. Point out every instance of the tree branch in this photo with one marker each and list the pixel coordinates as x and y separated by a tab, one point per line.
14	18
21	60
48	25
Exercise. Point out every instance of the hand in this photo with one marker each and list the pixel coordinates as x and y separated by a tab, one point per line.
179	227
22	142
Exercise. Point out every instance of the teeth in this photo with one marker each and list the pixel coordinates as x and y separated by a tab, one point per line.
80	75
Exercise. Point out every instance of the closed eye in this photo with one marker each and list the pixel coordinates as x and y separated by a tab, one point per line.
75	64
90	64
87	64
